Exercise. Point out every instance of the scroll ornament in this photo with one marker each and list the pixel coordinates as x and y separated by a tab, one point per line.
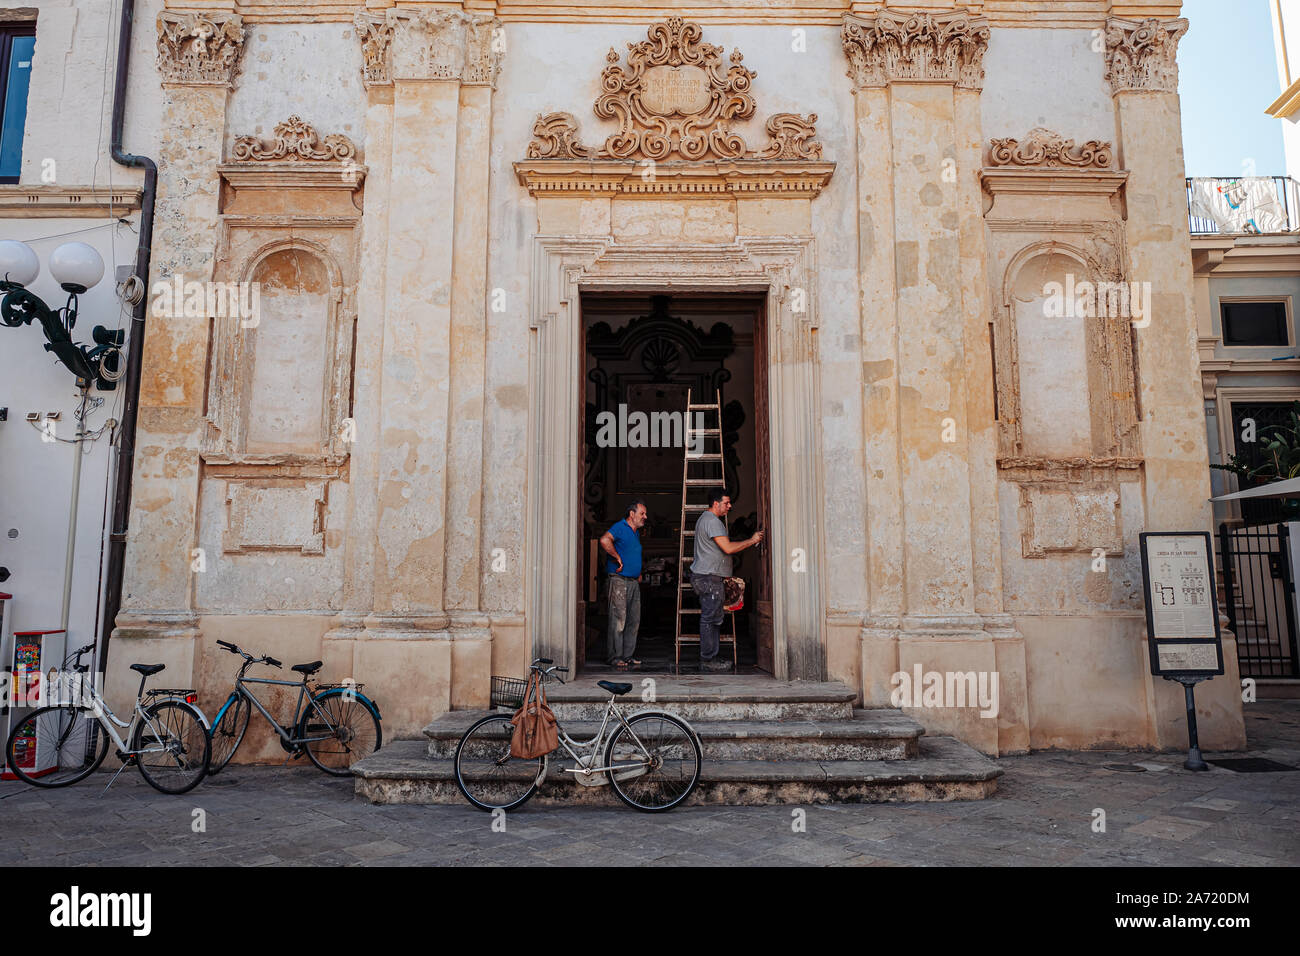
295	140
1042	147
676	98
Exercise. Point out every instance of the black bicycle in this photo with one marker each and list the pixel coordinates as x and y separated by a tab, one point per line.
334	724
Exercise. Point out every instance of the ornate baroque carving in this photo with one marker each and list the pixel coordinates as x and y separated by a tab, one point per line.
1042	147
376	35
676	95
887	48
791	136
429	45
295	140
675	98
1143	56
557	138
197	49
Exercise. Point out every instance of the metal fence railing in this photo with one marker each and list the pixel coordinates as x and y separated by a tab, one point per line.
1259	598
1243	205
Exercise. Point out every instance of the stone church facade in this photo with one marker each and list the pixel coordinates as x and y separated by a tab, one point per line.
381	468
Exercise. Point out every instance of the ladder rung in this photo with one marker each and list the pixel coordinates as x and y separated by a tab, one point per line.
704	431
697	507
689	610
705	456
702	408
702	481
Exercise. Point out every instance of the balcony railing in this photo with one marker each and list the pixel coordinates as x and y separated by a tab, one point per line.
1247	205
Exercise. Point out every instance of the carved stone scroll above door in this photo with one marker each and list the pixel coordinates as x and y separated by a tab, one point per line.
676	99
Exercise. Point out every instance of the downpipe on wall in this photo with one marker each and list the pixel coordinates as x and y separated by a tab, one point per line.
135	350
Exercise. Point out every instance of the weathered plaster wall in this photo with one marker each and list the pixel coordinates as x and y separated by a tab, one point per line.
1050	78
312	70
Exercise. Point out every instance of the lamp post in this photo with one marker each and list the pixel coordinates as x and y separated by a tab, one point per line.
76	267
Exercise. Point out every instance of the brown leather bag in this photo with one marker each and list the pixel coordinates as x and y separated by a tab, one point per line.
535	733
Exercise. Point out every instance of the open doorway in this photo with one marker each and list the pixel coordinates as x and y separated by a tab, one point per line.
641	353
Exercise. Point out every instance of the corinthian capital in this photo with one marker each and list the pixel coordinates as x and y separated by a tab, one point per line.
1143	55
199	50
376	35
922	48
429	45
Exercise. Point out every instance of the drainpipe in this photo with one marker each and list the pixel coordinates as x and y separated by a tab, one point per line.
135	350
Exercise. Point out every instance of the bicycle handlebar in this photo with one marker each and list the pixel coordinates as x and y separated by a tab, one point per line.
236	649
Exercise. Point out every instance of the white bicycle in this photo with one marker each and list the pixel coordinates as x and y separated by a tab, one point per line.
652	759
65	742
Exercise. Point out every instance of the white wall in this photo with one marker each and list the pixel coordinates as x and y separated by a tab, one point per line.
36	475
69	113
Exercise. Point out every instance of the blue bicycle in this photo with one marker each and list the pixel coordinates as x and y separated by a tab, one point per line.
333	724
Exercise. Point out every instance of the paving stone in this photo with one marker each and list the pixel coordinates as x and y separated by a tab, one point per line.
1041	815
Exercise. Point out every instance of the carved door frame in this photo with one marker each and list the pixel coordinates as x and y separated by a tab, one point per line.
783	269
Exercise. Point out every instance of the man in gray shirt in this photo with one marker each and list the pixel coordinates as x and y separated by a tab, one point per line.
712	563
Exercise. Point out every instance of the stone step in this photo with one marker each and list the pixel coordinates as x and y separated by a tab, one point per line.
708	697
944	769
880	734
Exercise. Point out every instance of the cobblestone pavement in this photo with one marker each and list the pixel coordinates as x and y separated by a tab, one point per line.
1042	814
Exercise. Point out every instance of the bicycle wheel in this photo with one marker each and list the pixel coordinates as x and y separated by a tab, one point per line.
56	746
662	757
172	747
340	729
228	732
486	773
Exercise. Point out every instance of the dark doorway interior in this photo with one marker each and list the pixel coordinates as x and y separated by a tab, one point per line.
643	352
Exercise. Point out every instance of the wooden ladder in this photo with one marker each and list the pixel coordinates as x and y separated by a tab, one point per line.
712	461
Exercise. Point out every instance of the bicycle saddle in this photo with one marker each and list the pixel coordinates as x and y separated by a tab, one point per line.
615	689
311	668
147	669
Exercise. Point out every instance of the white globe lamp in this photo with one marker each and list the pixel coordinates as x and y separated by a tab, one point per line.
76	267
18	263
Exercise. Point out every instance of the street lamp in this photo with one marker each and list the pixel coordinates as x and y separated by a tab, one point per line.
76	267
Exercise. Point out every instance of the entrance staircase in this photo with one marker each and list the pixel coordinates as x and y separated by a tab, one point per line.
765	742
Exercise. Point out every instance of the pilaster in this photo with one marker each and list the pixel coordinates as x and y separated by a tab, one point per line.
1142	70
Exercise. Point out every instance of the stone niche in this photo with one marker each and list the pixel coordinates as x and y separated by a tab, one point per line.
278	426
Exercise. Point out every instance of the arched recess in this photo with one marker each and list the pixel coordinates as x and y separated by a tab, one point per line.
1063	356
280	375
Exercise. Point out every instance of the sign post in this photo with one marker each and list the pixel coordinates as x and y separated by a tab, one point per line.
1183	637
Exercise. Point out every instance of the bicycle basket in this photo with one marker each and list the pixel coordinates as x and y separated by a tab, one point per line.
508	692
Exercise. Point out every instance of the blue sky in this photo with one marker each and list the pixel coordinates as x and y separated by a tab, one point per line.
1227	76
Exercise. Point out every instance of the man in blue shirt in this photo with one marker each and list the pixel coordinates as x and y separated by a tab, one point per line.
623	545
